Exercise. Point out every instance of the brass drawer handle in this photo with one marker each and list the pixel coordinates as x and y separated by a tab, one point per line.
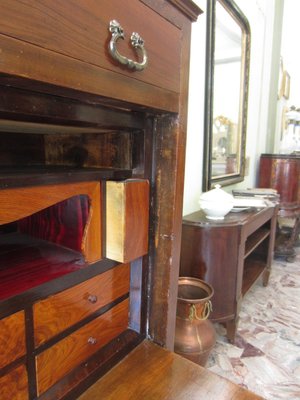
92	298
136	41
92	340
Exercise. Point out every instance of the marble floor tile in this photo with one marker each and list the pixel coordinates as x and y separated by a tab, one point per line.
265	357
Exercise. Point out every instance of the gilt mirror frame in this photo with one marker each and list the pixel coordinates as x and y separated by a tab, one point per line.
237	175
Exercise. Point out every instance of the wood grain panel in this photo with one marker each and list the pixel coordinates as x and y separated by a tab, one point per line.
60	311
79	31
12	338
13	386
18	203
127	219
79	76
109	150
61	358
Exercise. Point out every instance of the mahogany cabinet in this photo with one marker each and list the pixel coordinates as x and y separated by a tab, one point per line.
92	143
230	255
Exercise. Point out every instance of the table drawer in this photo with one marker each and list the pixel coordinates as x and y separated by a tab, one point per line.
62	310
79	31
60	359
12	338
14	385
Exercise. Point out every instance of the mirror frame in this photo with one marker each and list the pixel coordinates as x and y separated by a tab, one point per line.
239	17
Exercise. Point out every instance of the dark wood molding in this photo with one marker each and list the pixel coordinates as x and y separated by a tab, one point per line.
187	7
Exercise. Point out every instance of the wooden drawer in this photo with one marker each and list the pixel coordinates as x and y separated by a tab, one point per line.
12	338
56	313
60	359
14	385
72	50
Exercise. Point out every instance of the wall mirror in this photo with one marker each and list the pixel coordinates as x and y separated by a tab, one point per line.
226	93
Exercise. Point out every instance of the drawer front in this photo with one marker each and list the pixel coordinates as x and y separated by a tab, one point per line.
14	386
79	29
58	312
12	338
58	360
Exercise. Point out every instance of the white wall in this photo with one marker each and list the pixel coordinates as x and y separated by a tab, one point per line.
290	47
194	146
260	14
291	64
261	101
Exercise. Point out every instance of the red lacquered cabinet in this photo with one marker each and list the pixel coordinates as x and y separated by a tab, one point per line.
282	172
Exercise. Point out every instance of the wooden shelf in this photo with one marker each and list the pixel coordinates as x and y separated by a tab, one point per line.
34	262
44	175
255	240
253	268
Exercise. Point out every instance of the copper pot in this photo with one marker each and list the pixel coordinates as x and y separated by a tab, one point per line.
195	335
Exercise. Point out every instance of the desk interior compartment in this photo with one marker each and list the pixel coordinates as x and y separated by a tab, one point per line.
46	232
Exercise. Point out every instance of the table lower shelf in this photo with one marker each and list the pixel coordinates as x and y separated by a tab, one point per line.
254	267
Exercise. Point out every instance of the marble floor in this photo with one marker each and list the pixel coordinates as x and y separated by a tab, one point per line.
266	355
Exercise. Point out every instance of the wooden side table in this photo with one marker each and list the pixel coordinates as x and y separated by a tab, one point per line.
231	255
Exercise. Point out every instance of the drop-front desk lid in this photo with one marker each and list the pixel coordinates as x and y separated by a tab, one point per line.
150	372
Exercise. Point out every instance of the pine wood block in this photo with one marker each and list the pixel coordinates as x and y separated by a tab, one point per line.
127	219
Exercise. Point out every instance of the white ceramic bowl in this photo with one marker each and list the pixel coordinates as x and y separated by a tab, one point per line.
216	203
